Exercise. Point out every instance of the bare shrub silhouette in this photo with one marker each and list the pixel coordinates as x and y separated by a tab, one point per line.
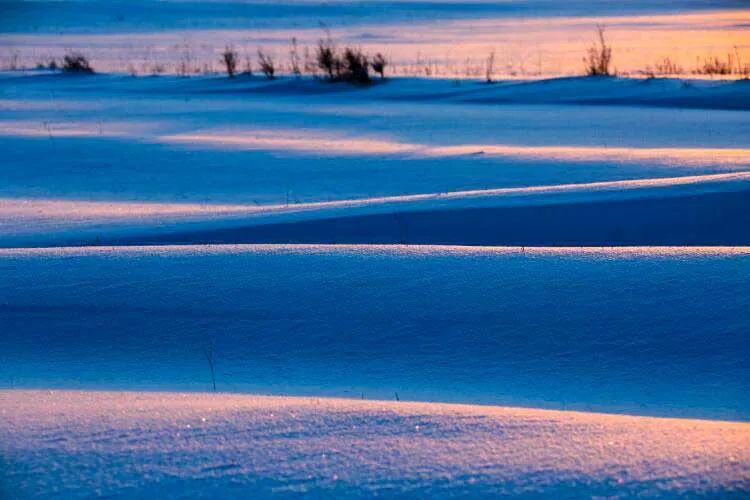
248	66
325	55
267	66
731	65
742	69
208	352
666	66
599	56
490	67
714	66
294	59
663	67
378	64
186	64
230	57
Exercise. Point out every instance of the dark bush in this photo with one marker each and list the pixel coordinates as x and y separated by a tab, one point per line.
352	66
378	64
356	66
326	57
229	57
76	63
51	65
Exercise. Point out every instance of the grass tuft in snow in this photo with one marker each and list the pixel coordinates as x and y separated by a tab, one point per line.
599	56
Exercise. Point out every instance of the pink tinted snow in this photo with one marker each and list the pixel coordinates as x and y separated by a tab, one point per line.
127	442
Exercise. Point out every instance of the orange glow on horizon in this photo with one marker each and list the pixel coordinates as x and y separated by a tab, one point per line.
524	46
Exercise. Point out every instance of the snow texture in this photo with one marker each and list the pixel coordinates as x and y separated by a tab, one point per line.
646	331
71	444
210	160
568	258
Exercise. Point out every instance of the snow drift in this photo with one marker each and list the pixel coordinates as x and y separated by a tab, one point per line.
654	331
146	444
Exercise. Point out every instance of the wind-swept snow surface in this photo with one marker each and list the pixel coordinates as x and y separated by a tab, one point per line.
579	245
112	159
67	444
654	331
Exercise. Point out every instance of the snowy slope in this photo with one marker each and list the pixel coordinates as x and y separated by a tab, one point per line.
561	244
647	331
169	159
228	446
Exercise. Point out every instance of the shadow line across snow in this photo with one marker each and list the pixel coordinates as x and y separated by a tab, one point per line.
694	219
